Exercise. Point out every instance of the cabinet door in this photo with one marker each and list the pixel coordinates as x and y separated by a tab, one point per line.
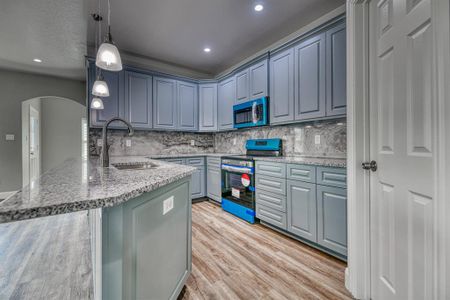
332	218
282	87
214	186
336	71
138	100
310	78
301	209
198	183
164	103
258	80
242	86
226	97
187	105
114	105
208	107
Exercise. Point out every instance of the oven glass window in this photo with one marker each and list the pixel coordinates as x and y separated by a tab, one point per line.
233	188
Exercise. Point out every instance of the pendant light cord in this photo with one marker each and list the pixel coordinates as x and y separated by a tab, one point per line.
109	20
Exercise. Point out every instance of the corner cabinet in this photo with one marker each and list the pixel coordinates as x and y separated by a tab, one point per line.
207	107
138	100
187	100
225	101
164	103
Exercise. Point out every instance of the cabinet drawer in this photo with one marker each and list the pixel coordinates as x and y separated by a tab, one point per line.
332	176
301	172
271	184
213	161
180	161
274	201
195	161
271	216
271	169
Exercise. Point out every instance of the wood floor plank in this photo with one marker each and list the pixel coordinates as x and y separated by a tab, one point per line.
236	260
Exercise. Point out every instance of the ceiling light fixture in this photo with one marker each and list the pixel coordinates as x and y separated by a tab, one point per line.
108	56
207	50
259	7
37	60
97	103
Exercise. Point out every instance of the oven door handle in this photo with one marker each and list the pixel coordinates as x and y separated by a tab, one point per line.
236	169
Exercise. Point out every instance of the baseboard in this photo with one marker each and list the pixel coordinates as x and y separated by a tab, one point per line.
5	195
347	279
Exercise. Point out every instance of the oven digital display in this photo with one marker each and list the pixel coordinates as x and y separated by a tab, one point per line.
261	143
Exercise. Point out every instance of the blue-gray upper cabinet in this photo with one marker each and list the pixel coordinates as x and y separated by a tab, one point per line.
242	86
282	87
258	78
332	218
114	105
138	100
310	78
302	209
336	71
208	107
164	103
187	98
225	101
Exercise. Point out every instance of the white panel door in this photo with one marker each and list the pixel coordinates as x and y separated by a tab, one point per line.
402	189
34	145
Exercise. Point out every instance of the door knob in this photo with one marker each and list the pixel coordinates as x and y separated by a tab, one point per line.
370	166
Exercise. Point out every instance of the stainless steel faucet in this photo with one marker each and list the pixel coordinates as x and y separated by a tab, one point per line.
104	156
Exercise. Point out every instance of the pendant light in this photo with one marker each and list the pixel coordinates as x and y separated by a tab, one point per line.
100	88
97	103
108	56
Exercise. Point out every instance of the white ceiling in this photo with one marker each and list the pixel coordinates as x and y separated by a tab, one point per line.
52	30
173	31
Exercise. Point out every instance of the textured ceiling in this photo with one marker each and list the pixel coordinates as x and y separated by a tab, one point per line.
52	30
176	31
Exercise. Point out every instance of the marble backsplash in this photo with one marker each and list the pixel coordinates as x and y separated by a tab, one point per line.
152	142
298	139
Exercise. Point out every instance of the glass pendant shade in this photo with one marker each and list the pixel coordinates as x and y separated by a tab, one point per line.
100	88
97	103
108	56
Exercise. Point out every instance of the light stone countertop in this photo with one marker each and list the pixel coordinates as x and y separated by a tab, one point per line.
79	184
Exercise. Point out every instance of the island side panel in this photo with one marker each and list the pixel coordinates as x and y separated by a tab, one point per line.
153	248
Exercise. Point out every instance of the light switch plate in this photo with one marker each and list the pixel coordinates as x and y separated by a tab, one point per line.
167	205
192	143
10	137
128	143
99	142
317	139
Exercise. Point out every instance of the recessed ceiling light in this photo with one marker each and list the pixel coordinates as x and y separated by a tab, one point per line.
207	50
259	7
37	60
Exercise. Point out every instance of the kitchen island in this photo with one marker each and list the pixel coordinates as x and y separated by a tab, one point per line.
146	200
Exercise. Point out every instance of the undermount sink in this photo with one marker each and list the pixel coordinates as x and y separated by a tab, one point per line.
135	166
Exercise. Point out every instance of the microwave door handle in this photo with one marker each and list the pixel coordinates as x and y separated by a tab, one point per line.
254	115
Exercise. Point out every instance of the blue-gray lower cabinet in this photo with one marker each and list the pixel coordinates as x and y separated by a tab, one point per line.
147	253
332	218
302	209
187	99
207	107
198	178
164	103
214	183
138	100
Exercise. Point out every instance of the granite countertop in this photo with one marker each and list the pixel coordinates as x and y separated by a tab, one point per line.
46	258
183	155
79	184
317	161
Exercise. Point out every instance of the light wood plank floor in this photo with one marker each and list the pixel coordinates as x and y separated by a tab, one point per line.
232	259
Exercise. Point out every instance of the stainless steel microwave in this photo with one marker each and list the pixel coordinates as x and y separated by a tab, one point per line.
251	114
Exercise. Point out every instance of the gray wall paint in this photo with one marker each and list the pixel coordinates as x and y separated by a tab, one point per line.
298	139
16	87
60	130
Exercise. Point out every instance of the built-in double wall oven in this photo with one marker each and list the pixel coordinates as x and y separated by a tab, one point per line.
238	187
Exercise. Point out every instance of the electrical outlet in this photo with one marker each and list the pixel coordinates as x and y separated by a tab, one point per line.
99	142
10	137
234	141
167	205
128	143
192	143
317	139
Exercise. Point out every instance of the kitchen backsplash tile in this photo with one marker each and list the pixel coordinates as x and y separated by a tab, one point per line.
298	139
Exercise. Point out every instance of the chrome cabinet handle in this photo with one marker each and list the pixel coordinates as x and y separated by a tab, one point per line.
372	166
